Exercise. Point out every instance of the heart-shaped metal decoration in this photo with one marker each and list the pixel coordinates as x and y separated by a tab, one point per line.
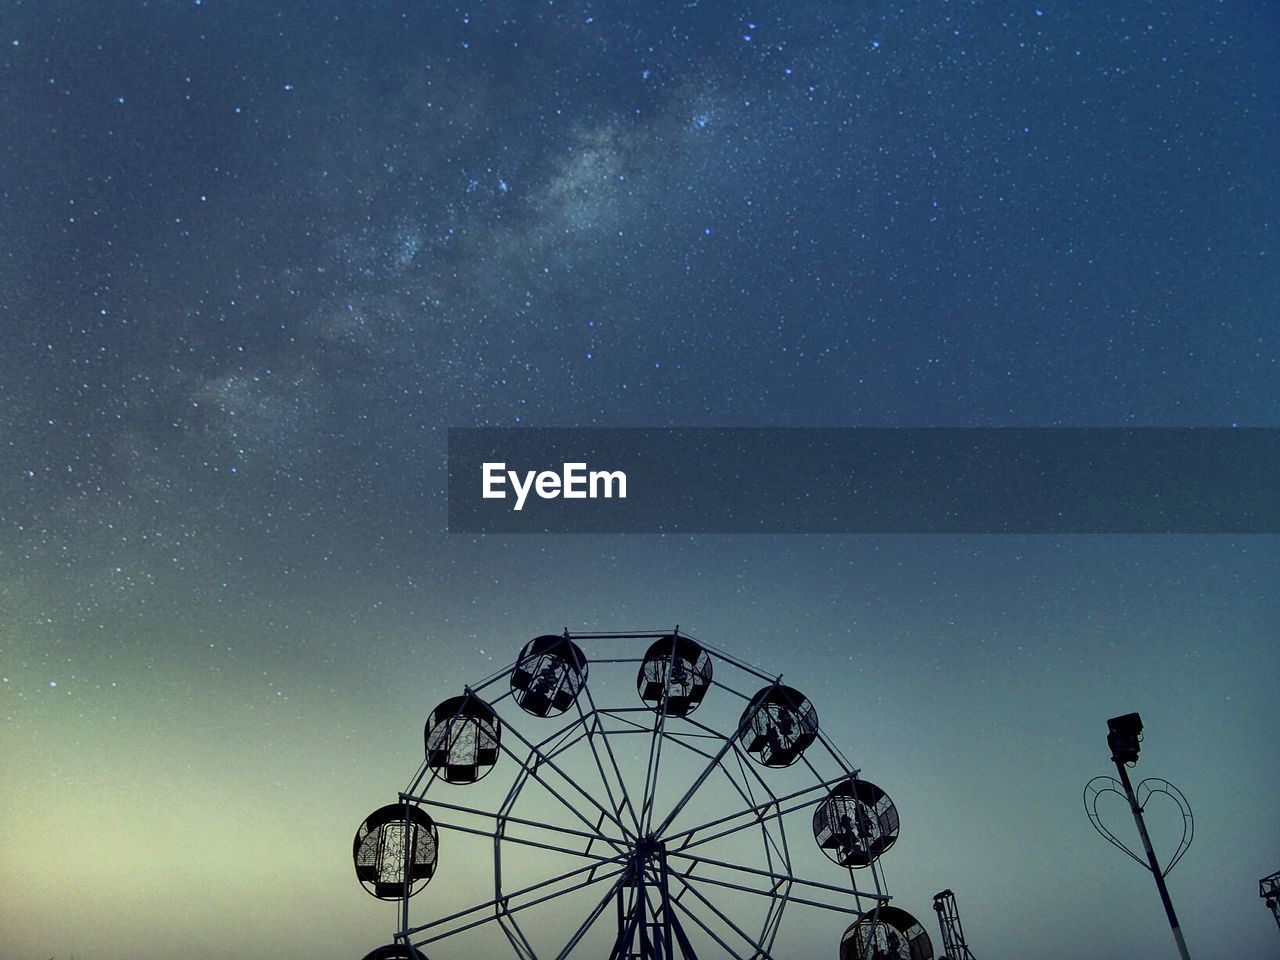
1153	786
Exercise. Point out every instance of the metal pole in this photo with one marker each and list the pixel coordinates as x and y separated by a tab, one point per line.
665	893
1152	862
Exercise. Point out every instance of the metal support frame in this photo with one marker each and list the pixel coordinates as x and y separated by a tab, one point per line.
953	943
1269	891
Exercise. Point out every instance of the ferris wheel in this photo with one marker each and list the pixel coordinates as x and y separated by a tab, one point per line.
637	804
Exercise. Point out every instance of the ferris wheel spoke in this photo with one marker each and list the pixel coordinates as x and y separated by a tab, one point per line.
566	743
623	799
773	922
592	835
777	898
573	732
710	768
515	936
592	916
756	812
552	746
769	875
761	818
541	845
698	921
757	950
651	771
655	744
778	902
504	901
542	760
748	773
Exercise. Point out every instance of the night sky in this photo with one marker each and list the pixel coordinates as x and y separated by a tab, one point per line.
257	258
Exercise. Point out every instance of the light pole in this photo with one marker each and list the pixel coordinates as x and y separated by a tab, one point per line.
1124	737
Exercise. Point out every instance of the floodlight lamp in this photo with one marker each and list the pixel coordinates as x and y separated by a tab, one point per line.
1124	736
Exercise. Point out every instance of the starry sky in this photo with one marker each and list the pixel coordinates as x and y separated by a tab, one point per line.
257	258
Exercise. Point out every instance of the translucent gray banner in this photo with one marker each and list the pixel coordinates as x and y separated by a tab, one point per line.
864	480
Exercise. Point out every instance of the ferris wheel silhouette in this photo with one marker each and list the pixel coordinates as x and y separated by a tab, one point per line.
606	819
